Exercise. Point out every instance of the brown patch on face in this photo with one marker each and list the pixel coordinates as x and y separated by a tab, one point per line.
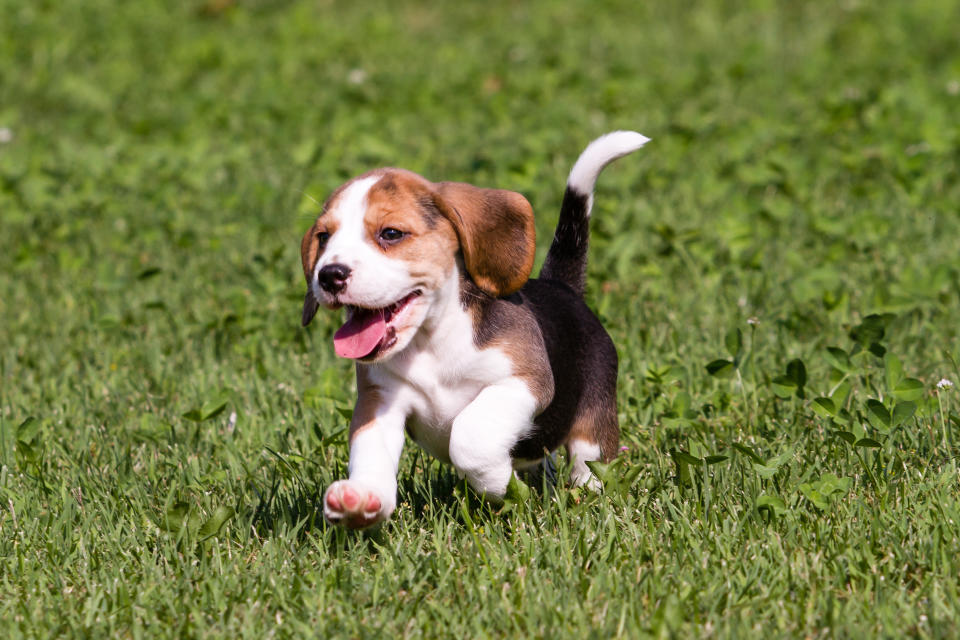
404	201
493	230
496	232
369	399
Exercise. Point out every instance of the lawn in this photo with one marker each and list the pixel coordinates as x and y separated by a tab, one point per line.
778	268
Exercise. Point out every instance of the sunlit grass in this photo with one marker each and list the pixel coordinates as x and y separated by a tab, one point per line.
778	268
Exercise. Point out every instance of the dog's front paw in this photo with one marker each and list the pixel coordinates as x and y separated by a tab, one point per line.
347	503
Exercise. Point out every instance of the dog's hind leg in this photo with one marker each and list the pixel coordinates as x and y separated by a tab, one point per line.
594	437
580	453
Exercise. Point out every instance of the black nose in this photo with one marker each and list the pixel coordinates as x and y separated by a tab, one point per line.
333	277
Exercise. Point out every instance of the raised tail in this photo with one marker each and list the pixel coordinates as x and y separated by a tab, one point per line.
567	259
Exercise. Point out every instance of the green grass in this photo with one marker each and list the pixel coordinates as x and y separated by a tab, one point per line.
164	161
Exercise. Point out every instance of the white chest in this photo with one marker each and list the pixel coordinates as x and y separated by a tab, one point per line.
435	387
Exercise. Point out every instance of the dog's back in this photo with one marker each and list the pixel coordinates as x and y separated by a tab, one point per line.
454	344
582	413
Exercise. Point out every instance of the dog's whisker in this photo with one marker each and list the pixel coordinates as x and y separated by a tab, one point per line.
312	199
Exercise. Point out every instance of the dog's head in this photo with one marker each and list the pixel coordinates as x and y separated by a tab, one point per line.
387	243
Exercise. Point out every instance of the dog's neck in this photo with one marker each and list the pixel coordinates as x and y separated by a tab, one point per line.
446	335
447	325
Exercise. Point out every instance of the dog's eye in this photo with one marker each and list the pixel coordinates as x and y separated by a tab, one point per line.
322	237
391	235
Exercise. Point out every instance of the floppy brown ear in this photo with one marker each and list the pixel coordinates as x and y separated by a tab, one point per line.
309	253
496	232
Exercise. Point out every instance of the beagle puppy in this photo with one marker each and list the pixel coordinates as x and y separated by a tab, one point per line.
454	345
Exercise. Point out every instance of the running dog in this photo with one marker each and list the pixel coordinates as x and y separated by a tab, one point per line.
454	344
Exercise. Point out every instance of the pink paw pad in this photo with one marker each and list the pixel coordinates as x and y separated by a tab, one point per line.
356	508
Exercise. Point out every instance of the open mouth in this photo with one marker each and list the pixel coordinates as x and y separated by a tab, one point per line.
369	332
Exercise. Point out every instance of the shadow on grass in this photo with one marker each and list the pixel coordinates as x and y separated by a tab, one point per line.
428	491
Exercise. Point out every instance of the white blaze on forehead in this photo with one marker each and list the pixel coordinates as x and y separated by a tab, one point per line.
348	213
353	199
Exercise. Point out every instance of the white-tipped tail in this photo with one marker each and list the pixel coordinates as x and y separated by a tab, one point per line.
566	261
599	154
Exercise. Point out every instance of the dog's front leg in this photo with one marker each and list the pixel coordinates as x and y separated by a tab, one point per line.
486	430
369	495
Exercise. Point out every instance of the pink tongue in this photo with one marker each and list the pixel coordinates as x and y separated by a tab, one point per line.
360	335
